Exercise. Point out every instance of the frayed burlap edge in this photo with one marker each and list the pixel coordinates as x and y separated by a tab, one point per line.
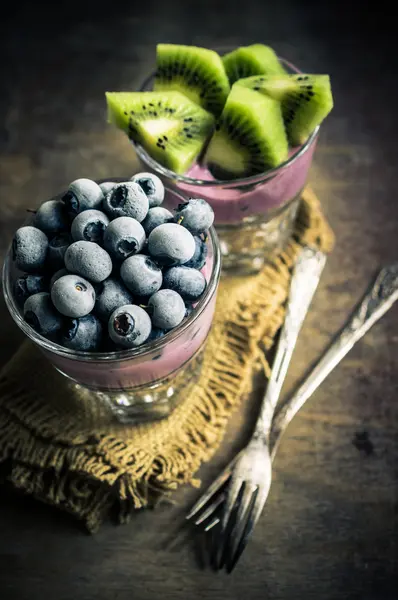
73	456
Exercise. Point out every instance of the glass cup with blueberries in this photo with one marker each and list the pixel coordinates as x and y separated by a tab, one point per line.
237	128
116	283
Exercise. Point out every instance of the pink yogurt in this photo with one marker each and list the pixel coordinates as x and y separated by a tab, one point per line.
234	201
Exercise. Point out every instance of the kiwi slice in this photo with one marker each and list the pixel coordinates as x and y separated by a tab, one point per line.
256	59
196	72
171	128
250	136
306	101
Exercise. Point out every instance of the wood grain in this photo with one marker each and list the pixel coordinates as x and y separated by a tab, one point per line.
330	527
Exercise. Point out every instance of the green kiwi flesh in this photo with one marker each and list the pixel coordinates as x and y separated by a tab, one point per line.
196	72
169	126
306	101
250	136
256	59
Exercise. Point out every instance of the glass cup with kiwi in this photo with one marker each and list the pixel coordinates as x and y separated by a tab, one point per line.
237	128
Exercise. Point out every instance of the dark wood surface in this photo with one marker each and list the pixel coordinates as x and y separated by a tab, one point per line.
329	530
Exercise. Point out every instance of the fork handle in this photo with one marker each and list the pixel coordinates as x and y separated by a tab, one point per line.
377	300
305	279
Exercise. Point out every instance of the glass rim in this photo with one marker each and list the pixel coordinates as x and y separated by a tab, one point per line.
241	182
128	353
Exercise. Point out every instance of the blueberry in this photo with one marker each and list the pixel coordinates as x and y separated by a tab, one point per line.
73	296
141	275
152	186
129	326
41	315
156	334
88	260
189	283
156	216
57	275
82	194
52	217
167	309
27	285
196	215
107	186
111	294
199	258
126	200
56	250
90	226
188	309
124	237
170	244
29	249
84	334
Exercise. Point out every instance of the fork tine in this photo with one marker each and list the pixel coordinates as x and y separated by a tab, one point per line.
211	490
254	513
228	518
244	507
215	521
210	509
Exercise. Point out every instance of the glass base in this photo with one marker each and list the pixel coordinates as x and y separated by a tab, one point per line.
149	402
247	246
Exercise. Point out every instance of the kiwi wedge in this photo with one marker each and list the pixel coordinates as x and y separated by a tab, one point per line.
196	72
171	128
306	101
256	59
250	136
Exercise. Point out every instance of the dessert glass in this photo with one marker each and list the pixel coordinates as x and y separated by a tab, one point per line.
254	216
138	384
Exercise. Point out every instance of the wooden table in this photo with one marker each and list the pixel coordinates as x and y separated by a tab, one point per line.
329	530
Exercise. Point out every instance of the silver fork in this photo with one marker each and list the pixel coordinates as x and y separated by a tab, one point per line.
377	300
248	478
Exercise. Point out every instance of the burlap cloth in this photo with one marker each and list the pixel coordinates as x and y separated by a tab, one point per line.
71	455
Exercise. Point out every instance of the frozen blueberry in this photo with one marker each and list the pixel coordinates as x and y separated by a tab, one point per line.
199	258
82	194
90	226
188	309
107	186
27	285
84	334
189	283
167	309
88	260
156	334
57	247
111	294
170	244
129	326
124	237
73	296
196	215
52	217
57	275
156	216
141	275
152	186
29	249
40	314
126	200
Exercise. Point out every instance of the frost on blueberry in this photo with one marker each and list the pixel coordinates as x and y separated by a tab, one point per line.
90	226
126	200
141	275
196	215
152	186
170	244
124	237
129	326
156	216
29	249
82	194
73	296
88	260
167	309
41	315
189	283
52	217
